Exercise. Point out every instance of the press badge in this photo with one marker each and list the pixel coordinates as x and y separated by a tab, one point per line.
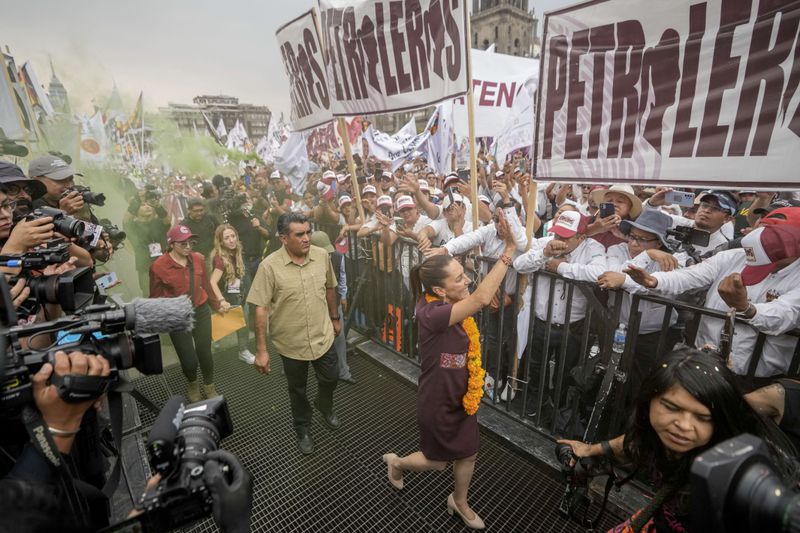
234	287
155	249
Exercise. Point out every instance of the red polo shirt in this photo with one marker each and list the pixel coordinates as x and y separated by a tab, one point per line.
169	279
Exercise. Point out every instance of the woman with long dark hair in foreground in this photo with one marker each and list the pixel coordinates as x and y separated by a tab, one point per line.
688	404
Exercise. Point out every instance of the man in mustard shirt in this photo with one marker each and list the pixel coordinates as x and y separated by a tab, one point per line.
294	292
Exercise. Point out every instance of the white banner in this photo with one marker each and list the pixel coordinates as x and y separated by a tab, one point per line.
674	93
496	81
292	161
302	56
518	131
441	144
402	145
384	57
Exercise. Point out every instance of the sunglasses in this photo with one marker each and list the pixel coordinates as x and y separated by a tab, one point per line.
188	243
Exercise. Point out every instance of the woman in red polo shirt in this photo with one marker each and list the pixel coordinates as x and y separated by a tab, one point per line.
182	272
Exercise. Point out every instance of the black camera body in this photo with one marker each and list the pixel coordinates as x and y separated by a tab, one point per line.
72	290
575	502
177	448
64	224
90	197
117	343
734	488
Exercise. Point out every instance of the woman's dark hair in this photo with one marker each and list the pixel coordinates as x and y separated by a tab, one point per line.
431	272
710	382
290	217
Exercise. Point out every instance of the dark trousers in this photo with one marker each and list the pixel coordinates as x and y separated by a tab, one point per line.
646	355
538	352
503	358
327	370
195	346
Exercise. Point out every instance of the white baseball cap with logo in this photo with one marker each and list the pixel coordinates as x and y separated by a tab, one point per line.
404	202
369	189
384	200
456	198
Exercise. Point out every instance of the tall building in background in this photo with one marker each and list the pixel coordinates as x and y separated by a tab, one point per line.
508	24
58	94
189	117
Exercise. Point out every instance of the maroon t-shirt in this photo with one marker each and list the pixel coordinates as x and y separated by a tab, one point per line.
447	432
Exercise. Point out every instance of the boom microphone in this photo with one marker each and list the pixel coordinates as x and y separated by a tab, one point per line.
161	315
160	443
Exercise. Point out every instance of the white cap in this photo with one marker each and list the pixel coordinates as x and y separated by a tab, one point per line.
342	177
456	198
328	175
275	175
387	174
344	199
485	199
384	200
404	201
450	178
423	185
369	189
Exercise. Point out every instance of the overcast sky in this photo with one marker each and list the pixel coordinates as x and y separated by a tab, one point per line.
173	50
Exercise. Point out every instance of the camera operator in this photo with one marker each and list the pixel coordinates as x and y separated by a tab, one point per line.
59	179
715	214
35	465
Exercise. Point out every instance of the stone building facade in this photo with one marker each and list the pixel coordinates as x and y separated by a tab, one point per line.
508	24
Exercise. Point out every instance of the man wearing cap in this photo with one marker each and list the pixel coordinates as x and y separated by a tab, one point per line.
412	223
386	182
715	214
420	190
568	252
57	177
761	281
381	222
453	224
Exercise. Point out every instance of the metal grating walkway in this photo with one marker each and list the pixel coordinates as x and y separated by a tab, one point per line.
343	486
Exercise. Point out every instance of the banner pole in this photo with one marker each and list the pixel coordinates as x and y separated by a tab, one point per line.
473	157
351	165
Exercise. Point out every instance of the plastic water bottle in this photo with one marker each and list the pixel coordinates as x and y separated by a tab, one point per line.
619	340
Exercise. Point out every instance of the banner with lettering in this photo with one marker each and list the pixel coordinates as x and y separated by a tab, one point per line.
303	60
384	57
683	92
497	79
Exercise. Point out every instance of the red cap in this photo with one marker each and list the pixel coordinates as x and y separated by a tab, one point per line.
764	247
783	216
179	234
569	223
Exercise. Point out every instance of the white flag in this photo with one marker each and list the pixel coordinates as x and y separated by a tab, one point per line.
402	145
440	146
93	138
518	131
221	131
292	161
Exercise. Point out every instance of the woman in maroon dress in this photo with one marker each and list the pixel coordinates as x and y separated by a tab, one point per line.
447	431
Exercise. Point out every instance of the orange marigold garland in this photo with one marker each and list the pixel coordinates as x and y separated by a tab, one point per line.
472	399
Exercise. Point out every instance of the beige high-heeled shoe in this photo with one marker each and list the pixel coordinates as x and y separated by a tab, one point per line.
388	458
475	523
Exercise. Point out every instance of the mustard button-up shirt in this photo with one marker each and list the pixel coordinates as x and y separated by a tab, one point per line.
294	296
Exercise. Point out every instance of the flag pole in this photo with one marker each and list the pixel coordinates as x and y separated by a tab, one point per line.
141	147
473	157
351	165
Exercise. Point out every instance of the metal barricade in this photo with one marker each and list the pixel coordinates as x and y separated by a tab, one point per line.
566	381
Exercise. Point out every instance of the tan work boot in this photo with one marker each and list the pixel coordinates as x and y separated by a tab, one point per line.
193	392
211	390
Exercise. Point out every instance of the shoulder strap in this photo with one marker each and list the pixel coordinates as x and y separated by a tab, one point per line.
191	277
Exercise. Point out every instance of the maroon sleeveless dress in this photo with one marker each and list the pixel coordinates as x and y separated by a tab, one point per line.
447	432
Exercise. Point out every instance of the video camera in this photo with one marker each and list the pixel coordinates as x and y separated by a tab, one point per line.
685	238
93	198
576	498
71	290
180	441
734	488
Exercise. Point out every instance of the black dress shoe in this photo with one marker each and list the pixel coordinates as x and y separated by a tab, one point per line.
304	443
330	419
351	380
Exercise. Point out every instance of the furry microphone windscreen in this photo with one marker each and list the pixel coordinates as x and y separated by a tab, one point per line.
163	315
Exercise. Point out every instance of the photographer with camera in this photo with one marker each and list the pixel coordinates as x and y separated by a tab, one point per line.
58	177
690	403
